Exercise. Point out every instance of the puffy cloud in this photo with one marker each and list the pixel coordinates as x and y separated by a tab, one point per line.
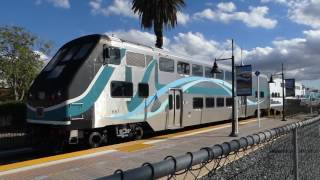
57	3
117	7
42	56
299	55
227	7
183	18
306	12
225	12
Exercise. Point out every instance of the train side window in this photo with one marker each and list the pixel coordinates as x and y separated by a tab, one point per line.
210	102
143	90
220	102
170	102
256	94
207	72
135	59
121	89
261	94
197	70
183	68
112	55
166	65
197	103
228	102
220	75
177	101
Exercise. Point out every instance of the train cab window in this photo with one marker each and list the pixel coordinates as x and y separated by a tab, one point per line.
56	72
197	70
112	55
183	68
55	59
135	59
143	90
197	103
70	53
228	102
84	51
121	89
210	102
220	75
207	72
166	65
220	102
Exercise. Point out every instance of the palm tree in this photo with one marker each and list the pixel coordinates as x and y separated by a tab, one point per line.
157	14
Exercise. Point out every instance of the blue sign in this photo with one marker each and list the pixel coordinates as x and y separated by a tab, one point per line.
290	87
244	80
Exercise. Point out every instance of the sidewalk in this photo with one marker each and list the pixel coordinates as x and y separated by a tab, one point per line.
100	162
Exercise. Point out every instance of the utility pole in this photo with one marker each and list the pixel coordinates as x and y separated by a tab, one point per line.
283	96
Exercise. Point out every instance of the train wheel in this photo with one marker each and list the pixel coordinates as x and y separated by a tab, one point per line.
95	139
138	132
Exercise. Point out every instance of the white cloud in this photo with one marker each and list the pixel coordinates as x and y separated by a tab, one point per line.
227	7
117	7
306	12
225	12
183	18
57	3
42	56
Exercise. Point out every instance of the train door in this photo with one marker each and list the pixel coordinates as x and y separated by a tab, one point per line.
174	119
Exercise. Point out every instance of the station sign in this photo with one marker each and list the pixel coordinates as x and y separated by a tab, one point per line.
244	80
290	87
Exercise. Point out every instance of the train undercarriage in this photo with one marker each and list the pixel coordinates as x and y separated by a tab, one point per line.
59	136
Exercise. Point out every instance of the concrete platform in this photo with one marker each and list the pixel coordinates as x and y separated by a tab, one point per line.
100	162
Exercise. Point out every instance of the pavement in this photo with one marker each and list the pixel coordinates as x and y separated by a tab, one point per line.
103	161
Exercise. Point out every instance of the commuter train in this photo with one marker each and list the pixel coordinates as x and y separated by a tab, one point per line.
99	87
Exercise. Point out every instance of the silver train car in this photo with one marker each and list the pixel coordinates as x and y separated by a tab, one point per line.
99	87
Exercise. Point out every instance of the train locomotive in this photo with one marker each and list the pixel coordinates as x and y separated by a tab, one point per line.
100	87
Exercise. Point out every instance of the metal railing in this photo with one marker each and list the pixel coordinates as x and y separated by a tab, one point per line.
272	154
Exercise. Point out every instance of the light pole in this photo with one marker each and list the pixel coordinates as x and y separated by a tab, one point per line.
257	73
215	69
283	85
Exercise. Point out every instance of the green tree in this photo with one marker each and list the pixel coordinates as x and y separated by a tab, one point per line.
19	61
157	14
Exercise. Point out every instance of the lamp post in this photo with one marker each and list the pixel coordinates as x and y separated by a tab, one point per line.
215	69
257	73
283	86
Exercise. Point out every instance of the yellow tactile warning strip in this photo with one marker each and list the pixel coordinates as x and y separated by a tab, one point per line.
134	147
125	147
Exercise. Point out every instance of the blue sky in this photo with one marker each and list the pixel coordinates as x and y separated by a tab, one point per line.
269	31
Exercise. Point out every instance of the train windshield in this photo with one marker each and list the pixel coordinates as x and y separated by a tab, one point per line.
73	54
